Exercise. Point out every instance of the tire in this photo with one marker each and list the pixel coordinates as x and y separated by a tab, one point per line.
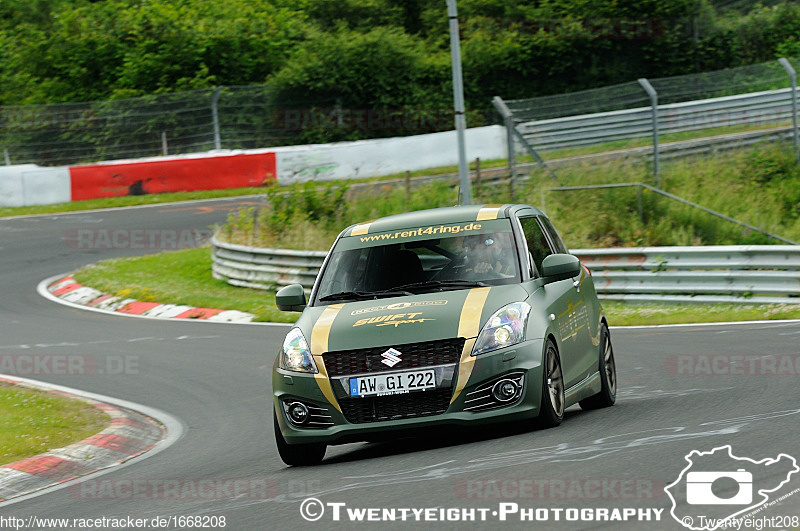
297	454
551	410
608	375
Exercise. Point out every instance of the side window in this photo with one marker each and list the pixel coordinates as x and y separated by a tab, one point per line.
554	237
537	242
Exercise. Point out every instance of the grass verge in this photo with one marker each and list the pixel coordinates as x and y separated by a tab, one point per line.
630	314
179	277
124	201
32	422
190	282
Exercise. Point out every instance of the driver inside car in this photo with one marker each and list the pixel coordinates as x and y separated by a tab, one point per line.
489	253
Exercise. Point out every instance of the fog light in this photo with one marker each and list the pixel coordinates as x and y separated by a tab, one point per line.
298	413
505	390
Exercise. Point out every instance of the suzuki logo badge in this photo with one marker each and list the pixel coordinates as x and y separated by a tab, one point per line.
391	357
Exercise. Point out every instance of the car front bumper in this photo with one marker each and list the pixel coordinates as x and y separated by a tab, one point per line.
524	358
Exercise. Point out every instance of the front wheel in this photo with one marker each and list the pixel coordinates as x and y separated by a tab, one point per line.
297	454
551	409
608	375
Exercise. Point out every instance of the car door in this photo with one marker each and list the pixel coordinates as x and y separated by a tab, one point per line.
585	314
565	302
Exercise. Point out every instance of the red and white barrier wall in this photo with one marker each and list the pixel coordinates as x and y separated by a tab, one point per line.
28	184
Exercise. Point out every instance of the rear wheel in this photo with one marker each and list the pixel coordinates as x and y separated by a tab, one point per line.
551	410
608	375
297	454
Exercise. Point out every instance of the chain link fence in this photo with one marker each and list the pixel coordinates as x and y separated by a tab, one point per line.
696	114
230	117
705	85
252	117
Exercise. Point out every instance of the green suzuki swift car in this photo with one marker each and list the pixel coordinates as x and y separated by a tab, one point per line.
456	316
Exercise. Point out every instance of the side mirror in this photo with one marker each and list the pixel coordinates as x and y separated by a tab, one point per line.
560	266
291	298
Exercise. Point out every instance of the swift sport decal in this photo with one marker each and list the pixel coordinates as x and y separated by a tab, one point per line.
468	327
393	319
319	346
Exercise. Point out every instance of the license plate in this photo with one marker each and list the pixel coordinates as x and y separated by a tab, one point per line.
393	383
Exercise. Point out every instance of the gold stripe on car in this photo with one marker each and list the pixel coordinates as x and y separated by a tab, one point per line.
488	212
361	229
319	346
468	327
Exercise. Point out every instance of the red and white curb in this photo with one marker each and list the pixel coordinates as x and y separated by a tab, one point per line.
129	435
64	288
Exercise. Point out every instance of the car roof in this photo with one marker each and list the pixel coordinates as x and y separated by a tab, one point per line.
438	216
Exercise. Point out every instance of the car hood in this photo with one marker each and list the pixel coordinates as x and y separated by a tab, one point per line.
402	320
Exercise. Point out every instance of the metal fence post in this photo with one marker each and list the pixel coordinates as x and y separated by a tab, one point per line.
164	143
215	117
8	159
654	104
465	191
508	121
793	78
513	132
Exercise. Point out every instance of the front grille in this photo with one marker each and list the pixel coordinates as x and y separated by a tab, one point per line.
367	360
410	405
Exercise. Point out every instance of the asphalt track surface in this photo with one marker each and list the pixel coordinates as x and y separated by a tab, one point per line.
215	378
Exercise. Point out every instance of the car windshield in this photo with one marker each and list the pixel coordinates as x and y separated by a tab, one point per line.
393	264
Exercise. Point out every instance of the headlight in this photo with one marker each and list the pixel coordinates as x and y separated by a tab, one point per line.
296	356
505	328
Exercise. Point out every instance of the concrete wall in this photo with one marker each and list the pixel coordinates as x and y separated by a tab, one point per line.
385	156
33	185
29	184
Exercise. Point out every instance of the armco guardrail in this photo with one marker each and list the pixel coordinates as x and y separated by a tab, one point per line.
756	109
254	267
737	273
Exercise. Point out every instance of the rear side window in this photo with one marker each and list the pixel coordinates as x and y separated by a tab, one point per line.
554	237
537	242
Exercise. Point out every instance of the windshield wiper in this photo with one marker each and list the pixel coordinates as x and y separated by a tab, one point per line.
363	295
432	284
